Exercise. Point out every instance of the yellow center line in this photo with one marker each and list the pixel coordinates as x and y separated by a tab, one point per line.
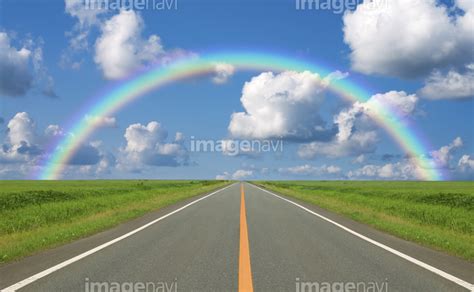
245	272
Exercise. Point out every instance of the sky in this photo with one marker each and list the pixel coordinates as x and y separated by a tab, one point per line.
414	56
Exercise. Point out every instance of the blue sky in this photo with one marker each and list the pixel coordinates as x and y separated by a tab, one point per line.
56	55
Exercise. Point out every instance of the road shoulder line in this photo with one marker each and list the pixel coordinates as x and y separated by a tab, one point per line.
66	263
419	263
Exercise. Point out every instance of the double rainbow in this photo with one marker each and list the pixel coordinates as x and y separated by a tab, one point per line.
131	89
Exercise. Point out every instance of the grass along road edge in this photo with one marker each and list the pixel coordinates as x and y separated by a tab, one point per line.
446	226
77	209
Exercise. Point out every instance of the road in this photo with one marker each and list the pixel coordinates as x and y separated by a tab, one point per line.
240	238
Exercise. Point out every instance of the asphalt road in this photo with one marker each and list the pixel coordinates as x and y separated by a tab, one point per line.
223	243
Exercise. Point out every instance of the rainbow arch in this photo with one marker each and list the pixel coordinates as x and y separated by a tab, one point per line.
117	97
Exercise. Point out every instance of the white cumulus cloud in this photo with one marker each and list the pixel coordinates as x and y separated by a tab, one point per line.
355	135
16	62
21	128
409	169
53	131
223	72
443	155
237	175
309	170
23	150
405	170
284	105
466	163
87	19
22	143
25	68
86	16
121	49
451	85
146	145
409	38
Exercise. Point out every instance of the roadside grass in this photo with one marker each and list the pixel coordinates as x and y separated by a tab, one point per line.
439	215
36	215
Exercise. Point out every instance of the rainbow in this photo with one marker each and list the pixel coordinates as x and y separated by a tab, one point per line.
117	97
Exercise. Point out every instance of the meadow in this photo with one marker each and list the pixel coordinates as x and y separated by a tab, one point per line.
439	215
36	215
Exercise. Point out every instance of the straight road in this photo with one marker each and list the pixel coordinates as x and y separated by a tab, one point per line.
241	238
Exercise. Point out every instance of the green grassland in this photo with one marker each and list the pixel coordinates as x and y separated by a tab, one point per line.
35	215
439	215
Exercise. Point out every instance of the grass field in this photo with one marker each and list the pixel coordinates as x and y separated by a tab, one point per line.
439	215
35	215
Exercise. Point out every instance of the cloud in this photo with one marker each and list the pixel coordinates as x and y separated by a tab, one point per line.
21	143
409	169
405	170
466	164
358	143
25	68
140	137
78	37
308	170
390	157
86	17
54	131
223	72
90	161
24	144
237	175
22	139
106	163
397	101
120	50
452	85
146	145
179	138
21	128
359	116
444	158
86	155
100	121
359	159
283	106
355	133
224	176
409	38
23	151
16	62
443	155
241	174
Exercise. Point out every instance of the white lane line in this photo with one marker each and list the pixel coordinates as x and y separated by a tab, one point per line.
426	266
59	266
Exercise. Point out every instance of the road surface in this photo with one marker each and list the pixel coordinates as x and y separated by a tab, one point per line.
239	238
